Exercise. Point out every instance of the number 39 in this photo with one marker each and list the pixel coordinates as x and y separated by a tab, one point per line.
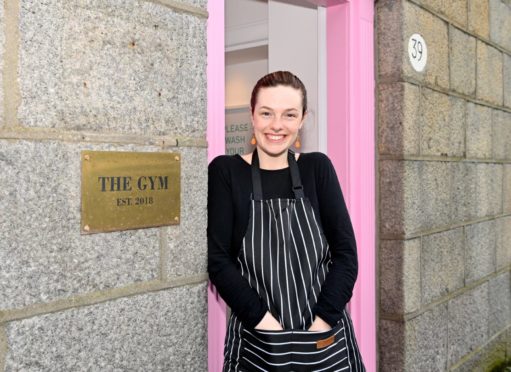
418	52
417	49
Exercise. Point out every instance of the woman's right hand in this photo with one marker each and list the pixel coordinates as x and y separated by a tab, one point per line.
269	323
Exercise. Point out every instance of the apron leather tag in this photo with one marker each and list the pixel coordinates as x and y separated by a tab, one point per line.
326	342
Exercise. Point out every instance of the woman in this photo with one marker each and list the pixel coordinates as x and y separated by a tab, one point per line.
281	248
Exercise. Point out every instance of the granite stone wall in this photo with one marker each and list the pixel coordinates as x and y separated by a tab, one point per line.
100	75
444	145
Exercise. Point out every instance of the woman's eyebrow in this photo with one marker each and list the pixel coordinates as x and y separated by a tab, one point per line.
271	109
287	109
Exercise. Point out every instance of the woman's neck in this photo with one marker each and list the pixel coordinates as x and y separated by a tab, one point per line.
271	162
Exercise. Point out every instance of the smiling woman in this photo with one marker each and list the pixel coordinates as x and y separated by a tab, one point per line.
279	108
276	118
281	248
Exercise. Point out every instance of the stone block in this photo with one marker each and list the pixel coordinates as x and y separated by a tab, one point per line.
478	17
441	194
442	267
426	341
489	74
508	342
506	202
400	276
503	242
416	345
197	3
500	303
483	361
3	347
399	204
434	31
186	242
160	331
42	254
501	135
391	338
500	23
425	195
468	322
479	131
482	190
462	49
420	196
480	243
442	124
507	80
434	5
455	10
134	67
396	22
389	19
398	119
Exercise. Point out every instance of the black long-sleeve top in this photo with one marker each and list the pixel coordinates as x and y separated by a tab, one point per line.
229	198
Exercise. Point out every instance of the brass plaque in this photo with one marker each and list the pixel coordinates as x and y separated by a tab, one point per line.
129	190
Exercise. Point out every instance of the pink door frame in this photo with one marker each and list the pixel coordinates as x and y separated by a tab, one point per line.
217	319
351	147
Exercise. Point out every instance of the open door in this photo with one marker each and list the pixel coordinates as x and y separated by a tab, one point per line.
329	45
270	35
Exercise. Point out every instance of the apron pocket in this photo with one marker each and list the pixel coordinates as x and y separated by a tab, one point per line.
294	350
270	350
320	351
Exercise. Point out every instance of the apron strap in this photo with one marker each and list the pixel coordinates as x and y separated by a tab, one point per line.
293	168
256	177
295	176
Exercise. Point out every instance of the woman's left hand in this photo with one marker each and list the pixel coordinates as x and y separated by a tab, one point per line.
319	325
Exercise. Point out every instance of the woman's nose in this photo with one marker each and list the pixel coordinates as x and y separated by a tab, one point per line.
276	124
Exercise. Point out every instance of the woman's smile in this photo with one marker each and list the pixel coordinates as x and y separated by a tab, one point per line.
275	137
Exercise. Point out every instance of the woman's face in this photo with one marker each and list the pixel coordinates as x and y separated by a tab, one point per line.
277	118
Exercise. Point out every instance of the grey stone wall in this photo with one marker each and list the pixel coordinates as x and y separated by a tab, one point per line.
100	75
444	138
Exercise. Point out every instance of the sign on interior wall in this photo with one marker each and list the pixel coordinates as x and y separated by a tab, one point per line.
238	130
129	190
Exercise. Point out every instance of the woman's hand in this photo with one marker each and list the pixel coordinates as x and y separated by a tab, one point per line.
269	323
319	325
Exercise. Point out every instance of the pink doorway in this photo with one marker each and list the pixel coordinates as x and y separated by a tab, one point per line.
350	143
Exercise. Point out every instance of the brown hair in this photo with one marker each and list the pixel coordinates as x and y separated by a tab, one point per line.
277	78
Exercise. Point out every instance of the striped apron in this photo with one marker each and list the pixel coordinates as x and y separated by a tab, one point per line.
285	258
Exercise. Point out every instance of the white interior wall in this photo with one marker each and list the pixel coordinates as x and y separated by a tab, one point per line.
246	38
246	24
293	46
245	12
240	78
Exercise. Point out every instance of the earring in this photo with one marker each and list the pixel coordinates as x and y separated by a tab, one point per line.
253	141
298	143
